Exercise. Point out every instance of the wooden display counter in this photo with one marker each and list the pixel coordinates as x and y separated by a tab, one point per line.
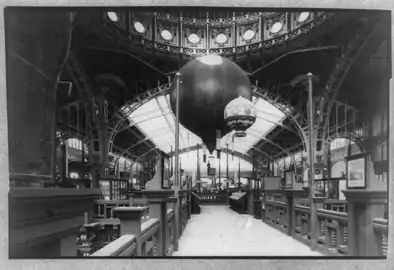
43	222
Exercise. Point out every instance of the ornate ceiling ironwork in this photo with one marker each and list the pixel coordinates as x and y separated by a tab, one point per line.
184	38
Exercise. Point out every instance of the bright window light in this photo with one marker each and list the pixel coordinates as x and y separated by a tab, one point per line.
303	17
194	38
166	35
221	38
276	27
112	16
249	34
211	60
139	27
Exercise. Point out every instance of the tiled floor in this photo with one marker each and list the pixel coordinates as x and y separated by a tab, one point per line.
219	231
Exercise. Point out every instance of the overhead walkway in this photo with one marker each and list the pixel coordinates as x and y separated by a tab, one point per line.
219	231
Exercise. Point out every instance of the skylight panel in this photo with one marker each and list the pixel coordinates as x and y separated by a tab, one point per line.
156	120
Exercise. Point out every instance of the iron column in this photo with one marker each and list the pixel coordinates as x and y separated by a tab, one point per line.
178	77
311	137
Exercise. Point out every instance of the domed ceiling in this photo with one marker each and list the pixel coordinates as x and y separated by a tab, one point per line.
139	51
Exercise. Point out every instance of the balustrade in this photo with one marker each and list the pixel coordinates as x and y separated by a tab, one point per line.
333	231
302	223
121	228
332	221
276	215
336	205
381	234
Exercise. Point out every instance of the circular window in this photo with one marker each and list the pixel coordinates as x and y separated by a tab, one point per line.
139	27
193	38
166	35
276	27
221	38
112	16
303	16
249	34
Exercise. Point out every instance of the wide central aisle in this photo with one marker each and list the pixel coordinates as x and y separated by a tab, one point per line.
219	231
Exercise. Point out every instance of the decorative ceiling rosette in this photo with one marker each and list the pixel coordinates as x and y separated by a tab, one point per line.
221	37
248	33
194	36
141	23
113	16
300	19
167	32
242	36
276	25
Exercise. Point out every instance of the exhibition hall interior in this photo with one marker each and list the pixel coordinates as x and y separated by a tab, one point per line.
186	132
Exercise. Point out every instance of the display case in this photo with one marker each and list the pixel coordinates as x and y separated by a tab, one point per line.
238	202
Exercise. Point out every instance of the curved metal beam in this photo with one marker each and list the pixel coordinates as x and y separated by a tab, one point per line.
293	52
124	152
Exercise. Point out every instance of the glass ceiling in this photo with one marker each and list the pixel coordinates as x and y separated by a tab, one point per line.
156	121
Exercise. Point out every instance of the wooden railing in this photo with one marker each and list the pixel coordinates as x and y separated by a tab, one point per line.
214	198
336	205
103	208
171	223
276	215
332	226
127	244
120	228
302	223
381	234
333	231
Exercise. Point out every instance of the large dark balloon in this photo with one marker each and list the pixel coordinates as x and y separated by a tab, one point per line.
207	85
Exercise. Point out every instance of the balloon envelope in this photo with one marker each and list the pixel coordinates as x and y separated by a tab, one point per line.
207	85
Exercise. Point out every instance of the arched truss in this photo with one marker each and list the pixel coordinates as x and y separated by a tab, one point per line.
344	63
355	137
324	107
80	79
325	104
117	122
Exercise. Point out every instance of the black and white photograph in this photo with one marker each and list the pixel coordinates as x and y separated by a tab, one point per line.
197	132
